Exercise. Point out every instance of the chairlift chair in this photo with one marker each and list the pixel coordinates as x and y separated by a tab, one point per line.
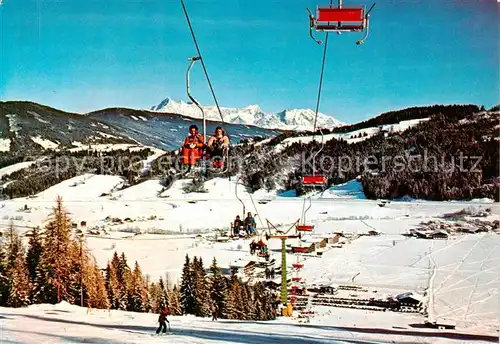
222	167
340	19
313	180
302	227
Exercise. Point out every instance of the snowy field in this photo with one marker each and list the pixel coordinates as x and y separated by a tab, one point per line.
463	271
63	323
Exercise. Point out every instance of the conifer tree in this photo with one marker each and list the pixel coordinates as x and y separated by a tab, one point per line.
234	276
80	270
259	298
202	306
174	302
247	305
102	300
268	306
112	287
137	301
123	271
218	289
4	290
187	291
123	275
16	271
162	294
13	245
55	261
35	249
234	303
147	298
95	289
154	296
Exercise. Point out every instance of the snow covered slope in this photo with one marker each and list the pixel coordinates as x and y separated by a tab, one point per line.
158	228
4	171
293	119
354	136
64	323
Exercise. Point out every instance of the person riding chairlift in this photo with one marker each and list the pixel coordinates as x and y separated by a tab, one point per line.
237	225
193	147
250	224
218	144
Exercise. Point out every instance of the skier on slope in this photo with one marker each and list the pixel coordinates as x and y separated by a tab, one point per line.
214	312
162	318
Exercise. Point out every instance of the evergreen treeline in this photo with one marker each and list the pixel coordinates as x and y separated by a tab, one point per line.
56	267
451	112
7	159
202	294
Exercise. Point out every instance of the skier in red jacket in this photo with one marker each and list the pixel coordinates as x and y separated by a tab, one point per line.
162	318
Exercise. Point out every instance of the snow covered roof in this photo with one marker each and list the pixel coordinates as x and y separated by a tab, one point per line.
239	263
410	294
312	240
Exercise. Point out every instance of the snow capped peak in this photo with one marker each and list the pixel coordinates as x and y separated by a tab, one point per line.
163	104
253	108
289	119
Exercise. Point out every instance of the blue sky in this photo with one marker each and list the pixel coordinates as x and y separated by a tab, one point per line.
83	55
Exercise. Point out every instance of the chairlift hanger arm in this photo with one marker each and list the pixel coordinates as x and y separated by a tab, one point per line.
191	63
366	24
312	24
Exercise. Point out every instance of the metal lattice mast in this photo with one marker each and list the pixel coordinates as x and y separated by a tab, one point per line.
284	284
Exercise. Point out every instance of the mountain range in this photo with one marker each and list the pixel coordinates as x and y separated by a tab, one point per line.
30	127
289	119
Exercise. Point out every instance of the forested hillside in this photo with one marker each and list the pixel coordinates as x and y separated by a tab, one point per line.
454	155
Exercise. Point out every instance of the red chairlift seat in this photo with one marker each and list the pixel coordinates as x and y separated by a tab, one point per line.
340	19
296	279
313	180
299	249
326	15
305	228
350	28
298	265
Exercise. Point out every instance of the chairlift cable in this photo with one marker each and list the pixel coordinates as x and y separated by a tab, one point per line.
209	83
320	84
202	60
321	79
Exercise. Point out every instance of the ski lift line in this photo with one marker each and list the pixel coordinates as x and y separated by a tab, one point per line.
320	87
201	59
256	211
